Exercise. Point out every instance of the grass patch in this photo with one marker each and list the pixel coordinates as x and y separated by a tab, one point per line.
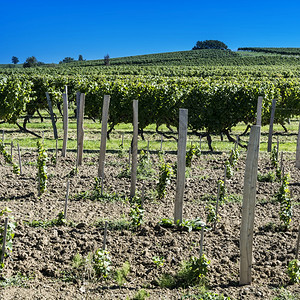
284	294
117	224
17	280
204	294
59	221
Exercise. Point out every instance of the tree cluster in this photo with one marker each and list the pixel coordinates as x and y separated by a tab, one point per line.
32	62
210	44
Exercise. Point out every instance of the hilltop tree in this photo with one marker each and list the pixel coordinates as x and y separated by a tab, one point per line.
106	60
14	60
30	62
67	60
80	57
210	44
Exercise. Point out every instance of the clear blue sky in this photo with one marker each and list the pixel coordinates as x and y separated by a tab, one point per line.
52	30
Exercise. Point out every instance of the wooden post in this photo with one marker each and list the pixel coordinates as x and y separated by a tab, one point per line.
105	235
65	125
217	205
66	201
80	130
259	109
201	241
200	142
77	111
271	125
225	176
277	156
4	239
248	208
20	162
11	149
134	148
52	116
103	136
161	142
129	157
298	244
143	196
181	161
297	150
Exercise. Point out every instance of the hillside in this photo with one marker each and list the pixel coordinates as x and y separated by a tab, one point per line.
212	57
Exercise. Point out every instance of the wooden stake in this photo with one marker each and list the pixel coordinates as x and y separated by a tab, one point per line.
297	150
77	112
181	161
225	172
67	197
161	142
201	241
80	130
271	125
217	205
105	235
143	195
20	163
105	108
65	124
259	109
248	208
4	239
200	141
129	157
277	153
134	148
298	244
11	149
52	116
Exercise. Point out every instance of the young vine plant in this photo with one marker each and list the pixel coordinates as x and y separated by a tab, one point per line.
165	174
231	162
284	198
42	168
11	225
8	159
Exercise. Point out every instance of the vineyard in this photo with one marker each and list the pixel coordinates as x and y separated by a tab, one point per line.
71	234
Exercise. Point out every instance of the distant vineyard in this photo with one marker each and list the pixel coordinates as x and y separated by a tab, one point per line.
218	96
282	51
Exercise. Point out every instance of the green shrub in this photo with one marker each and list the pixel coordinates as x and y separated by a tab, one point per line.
294	270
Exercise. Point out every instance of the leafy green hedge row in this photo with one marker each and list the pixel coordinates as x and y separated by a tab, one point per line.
215	105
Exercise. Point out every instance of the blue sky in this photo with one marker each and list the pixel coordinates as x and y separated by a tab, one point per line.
52	30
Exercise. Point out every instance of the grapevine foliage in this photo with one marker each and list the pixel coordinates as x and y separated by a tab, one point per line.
11	225
8	159
42	168
165	174
285	200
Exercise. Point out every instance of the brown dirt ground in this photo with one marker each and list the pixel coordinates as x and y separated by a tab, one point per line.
45	254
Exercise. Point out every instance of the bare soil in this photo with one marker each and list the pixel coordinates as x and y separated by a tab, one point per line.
45	254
